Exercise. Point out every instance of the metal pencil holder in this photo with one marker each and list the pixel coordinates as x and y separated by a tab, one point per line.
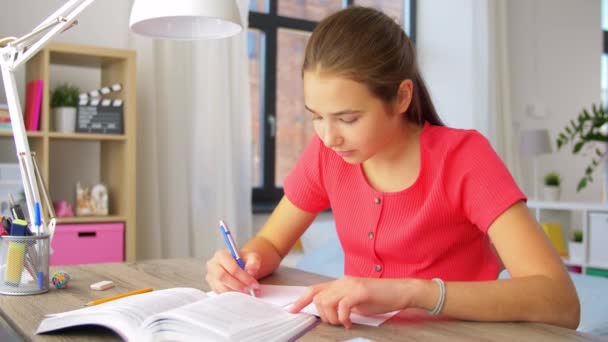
24	264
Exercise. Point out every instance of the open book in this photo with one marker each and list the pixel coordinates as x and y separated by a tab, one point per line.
187	314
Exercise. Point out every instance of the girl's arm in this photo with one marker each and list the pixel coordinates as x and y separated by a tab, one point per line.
262	254
540	289
276	238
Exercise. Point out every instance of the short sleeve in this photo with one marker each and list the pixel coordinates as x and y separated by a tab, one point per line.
304	186
478	182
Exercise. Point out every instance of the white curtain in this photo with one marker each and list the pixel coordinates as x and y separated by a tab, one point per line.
493	112
194	144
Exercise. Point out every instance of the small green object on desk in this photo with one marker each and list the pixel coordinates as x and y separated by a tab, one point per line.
60	279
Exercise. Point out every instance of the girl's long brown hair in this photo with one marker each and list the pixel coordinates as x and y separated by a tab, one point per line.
366	46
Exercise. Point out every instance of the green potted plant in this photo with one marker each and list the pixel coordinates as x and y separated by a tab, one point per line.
587	129
552	186
64	101
575	246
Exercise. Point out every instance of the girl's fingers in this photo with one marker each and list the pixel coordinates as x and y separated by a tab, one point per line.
229	264
344	309
252	263
304	300
217	274
327	309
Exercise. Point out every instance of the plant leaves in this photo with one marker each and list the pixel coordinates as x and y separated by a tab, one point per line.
579	145
581	185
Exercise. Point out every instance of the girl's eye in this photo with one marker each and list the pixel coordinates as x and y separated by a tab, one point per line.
316	117
349	120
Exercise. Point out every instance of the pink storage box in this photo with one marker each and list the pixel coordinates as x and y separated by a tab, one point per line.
87	243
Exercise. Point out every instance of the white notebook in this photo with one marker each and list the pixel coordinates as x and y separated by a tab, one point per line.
187	314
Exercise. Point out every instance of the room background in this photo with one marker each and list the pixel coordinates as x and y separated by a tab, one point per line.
496	66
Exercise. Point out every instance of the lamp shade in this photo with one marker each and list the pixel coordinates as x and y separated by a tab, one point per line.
535	142
185	19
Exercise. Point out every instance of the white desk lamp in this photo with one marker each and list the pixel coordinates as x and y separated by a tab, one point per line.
535	142
176	19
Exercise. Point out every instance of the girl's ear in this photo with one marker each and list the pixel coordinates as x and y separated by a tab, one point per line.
404	96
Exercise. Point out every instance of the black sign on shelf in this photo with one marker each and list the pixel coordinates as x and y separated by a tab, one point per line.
100	116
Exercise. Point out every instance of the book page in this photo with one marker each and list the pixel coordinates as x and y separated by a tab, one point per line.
124	315
231	316
286	295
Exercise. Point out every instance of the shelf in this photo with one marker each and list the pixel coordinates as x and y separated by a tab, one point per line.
65	158
7	133
596	265
567	205
70	136
90	219
87	136
569	262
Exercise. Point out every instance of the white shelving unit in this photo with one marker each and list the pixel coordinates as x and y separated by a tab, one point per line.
591	218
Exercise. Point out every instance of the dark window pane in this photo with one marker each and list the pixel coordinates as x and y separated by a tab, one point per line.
314	10
392	8
258	6
294	127
605	15
255	47
604	78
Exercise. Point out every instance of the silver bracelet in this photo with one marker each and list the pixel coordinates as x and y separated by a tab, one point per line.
441	299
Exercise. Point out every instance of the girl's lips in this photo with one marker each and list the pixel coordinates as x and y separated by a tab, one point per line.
344	153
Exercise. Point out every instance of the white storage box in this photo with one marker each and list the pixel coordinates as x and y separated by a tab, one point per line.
598	238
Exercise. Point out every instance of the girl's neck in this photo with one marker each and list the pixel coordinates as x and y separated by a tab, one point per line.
396	167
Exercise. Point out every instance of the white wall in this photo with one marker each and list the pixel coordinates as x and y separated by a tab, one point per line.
445	54
555	54
554	61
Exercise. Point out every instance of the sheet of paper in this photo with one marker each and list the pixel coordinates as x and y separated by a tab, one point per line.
281	295
285	296
371	320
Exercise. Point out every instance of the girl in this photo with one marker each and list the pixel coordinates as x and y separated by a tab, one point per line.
425	213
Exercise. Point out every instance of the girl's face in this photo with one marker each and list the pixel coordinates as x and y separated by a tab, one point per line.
349	119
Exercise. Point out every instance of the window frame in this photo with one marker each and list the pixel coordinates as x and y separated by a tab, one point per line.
265	198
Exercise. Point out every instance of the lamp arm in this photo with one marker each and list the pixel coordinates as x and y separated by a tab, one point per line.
30	187
16	53
66	8
73	9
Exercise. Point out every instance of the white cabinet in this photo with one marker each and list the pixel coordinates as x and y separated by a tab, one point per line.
591	219
598	239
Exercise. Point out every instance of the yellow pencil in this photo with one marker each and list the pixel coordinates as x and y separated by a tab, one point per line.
107	299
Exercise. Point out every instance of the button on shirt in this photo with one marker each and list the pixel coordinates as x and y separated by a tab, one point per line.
437	227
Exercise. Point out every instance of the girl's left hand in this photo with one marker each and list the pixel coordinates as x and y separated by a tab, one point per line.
335	300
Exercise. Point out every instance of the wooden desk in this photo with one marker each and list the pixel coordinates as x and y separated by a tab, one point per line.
24	313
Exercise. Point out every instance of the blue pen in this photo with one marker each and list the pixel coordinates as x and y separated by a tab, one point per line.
233	248
37	220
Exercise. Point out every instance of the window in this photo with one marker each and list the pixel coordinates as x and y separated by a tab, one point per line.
279	30
605	54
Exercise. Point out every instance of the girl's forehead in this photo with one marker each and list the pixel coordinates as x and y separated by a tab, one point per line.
322	83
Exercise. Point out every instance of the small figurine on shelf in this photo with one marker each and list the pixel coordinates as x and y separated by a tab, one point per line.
99	198
83	200
91	201
63	208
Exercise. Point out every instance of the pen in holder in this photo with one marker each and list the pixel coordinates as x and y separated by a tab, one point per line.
25	251
24	264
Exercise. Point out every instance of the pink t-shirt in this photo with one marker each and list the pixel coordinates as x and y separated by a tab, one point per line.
437	227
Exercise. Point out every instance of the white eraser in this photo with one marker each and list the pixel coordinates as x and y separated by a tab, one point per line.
102	285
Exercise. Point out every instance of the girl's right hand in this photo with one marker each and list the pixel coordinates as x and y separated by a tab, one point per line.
224	273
